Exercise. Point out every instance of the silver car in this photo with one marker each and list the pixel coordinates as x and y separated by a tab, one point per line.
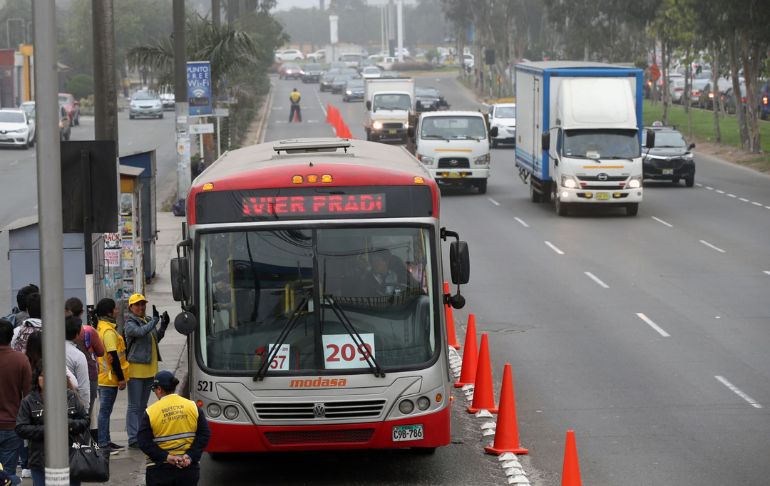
146	104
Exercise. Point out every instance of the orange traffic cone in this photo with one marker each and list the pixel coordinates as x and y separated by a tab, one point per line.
570	475
346	131
483	395
450	321
470	356
507	430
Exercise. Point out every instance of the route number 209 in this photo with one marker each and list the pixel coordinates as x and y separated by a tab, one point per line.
341	352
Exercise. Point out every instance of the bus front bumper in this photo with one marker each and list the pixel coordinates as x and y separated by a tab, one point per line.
370	435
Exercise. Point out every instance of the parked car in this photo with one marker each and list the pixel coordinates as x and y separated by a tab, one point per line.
708	94
289	70
429	99
354	90
64	120
676	88
371	72
317	56
311	73
72	106
503	116
145	104
289	55
16	128
696	88
671	157
351	60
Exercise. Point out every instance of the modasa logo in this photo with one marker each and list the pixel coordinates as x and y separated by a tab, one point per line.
318	383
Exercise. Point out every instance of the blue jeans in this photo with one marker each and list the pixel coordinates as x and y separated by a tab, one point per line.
138	396
38	478
107	396
10	443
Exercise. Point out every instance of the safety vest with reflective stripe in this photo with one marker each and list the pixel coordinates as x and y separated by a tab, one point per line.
174	421
106	376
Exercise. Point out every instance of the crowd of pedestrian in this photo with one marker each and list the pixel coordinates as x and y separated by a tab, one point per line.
100	362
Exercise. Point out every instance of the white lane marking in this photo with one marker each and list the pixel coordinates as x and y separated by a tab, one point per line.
768	207
712	246
522	222
652	324
766	272
731	195
709	188
493	201
553	247
699	184
737	391
743	199
720	191
597	280
663	222
756	203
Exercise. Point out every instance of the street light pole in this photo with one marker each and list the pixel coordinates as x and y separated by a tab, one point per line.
49	200
180	95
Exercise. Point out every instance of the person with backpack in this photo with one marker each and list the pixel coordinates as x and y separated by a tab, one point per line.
143	355
19	313
113	369
28	326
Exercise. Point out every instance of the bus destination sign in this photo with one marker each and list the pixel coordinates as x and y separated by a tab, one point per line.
313	205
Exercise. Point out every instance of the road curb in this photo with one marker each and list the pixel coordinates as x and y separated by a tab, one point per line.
264	115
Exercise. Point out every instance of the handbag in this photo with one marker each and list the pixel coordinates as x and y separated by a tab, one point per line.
88	462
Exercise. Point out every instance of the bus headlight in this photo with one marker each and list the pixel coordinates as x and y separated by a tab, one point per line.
214	410
635	183
377	125
423	403
231	412
406	407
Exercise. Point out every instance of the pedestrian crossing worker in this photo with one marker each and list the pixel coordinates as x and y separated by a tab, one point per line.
294	99
173	434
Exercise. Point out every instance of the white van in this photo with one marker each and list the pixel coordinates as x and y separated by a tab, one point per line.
454	147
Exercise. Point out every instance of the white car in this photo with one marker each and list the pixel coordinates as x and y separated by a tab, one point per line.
16	129
289	55
503	116
318	55
370	72
468	61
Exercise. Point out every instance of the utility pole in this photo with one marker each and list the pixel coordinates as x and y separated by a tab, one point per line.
400	22
105	87
180	96
49	200
216	13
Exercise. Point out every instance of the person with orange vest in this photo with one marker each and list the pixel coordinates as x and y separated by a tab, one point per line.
173	434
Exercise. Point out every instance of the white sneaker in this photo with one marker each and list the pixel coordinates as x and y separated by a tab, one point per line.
26	473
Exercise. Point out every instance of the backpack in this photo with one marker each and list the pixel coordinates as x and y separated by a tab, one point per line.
12	316
20	343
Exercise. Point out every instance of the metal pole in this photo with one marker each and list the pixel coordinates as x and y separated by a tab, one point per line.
180	96
400	21
105	85
49	202
219	141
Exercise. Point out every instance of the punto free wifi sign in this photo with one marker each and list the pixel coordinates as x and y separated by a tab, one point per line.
199	88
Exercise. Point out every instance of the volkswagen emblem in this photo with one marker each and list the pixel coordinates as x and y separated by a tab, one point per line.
602	177
319	410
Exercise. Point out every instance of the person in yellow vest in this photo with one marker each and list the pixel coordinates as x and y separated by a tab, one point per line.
173	434
294	99
113	369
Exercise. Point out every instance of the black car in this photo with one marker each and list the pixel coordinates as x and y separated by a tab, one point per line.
354	90
429	99
339	82
311	73
670	159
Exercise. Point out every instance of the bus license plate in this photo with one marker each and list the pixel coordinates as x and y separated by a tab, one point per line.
407	432
668	171
602	196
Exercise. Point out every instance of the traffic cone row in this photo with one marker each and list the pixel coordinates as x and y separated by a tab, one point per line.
475	378
334	118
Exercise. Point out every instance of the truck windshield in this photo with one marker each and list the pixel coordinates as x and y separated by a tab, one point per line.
601	144
392	101
311	284
453	127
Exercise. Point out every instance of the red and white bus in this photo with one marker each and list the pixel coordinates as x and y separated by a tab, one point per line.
310	275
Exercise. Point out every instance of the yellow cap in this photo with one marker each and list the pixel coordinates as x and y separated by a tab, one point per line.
136	298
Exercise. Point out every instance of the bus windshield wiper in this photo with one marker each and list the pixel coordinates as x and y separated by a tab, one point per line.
265	365
357	339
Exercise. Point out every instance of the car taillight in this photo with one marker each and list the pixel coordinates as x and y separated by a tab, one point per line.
696	93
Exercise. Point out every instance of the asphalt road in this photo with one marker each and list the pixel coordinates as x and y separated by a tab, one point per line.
648	335
19	174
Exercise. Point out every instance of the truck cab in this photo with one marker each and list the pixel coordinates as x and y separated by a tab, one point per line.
390	108
454	147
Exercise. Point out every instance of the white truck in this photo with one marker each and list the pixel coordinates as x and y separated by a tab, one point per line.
454	147
578	133
390	107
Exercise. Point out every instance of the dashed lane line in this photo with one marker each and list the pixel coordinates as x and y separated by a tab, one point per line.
597	280
738	391
756	203
493	201
521	222
743	199
709	188
731	195
554	248
766	272
649	322
712	246
720	191
663	222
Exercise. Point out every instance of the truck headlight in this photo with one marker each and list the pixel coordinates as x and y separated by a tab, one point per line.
635	182
482	160
425	159
687	157
348	92
569	182
377	125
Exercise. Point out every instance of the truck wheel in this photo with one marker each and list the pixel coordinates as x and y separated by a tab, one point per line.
561	208
689	181
632	209
482	185
534	196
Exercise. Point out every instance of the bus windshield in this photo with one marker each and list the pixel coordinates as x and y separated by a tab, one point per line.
314	290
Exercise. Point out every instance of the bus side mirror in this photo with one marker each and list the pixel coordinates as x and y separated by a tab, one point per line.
180	279
369	105
650	142
459	262
185	323
493	131
545	141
